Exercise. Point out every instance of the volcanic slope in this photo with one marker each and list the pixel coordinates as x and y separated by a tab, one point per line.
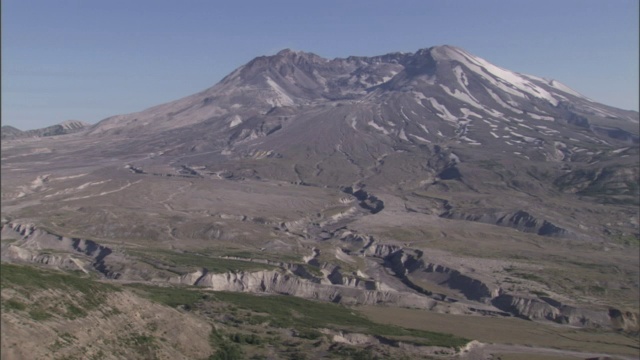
433	180
440	117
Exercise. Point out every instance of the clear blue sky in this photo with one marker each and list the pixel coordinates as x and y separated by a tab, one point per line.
87	60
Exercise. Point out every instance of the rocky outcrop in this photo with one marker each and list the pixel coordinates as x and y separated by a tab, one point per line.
525	222
381	250
337	278
32	241
624	320
282	282
472	288
35	245
549	309
408	265
526	307
366	200
404	261
189	278
61	261
519	220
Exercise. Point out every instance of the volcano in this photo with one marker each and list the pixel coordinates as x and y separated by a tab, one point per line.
432	180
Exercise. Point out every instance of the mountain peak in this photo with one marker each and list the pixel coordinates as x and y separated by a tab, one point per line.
440	83
448	52
287	51
296	54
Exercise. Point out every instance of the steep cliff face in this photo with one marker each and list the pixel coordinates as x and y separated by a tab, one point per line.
33	244
518	219
281	282
549	309
406	265
625	320
403	262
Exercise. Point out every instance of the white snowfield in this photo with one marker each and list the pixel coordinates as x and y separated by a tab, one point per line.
378	127
466	112
444	113
402	135
501	102
420	138
519	85
465	97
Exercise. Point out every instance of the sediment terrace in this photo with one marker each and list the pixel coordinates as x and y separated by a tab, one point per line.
323	281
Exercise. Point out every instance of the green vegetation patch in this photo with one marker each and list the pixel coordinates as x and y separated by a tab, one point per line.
226	350
170	296
39	314
27	277
63	340
143	344
524	275
246	254
186	261
627	240
305	315
12	304
289	311
27	280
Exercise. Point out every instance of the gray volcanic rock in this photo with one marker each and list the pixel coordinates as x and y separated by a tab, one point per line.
549	309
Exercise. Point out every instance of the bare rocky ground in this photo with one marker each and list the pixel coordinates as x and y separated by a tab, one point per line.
377	190
220	239
124	326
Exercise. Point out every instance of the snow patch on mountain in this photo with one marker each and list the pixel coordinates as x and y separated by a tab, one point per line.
497	99
514	79
420	138
282	99
540	117
466	112
352	122
402	135
424	128
462	96
235	121
378	127
444	112
506	80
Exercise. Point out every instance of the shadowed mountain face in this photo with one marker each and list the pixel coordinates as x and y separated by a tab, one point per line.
471	187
